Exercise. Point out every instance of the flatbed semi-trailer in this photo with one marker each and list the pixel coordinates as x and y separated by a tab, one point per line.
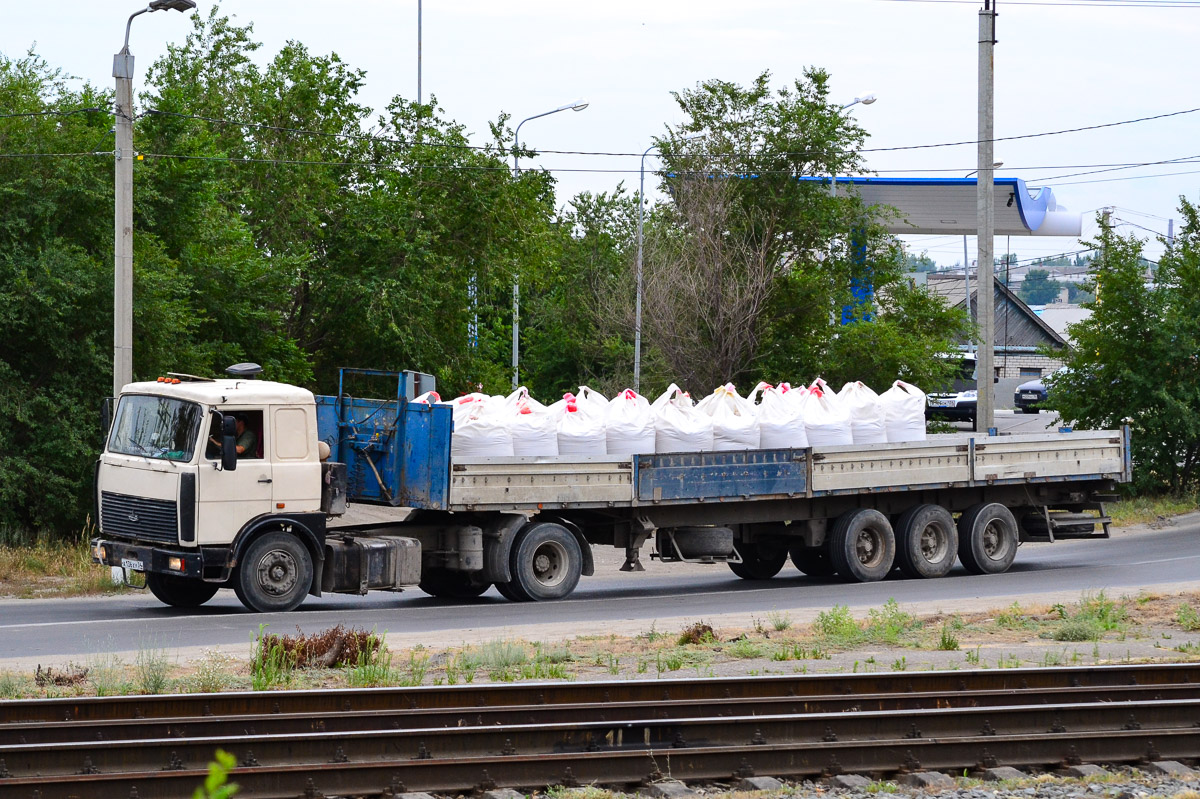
273	524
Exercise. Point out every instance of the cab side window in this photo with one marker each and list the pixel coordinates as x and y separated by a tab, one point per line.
248	438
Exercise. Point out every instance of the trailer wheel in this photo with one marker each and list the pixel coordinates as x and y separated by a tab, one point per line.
862	546
812	561
275	573
987	538
447	584
760	561
926	541
180	592
546	562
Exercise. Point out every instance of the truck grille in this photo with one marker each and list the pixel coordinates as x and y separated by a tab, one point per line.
139	518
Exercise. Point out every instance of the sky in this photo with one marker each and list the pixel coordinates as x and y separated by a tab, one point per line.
1059	64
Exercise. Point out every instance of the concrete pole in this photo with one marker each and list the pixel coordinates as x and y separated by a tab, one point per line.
123	224
986	407
418	52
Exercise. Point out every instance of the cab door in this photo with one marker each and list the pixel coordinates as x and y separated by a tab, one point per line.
226	500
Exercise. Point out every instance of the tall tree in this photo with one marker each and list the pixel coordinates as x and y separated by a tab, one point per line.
1137	357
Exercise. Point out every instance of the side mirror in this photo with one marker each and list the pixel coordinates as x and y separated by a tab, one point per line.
228	443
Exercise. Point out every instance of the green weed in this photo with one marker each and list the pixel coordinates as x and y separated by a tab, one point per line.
837	626
1188	618
152	670
270	663
949	641
501	658
780	620
373	667
213	672
744	649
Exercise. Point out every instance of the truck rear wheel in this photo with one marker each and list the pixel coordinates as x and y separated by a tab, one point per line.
180	592
760	561
862	546
926	541
448	584
813	561
987	538
275	574
546	562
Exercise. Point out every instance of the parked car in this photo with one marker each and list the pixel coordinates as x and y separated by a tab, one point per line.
958	406
1033	395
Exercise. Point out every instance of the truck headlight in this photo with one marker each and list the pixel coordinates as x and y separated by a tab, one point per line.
175	564
99	553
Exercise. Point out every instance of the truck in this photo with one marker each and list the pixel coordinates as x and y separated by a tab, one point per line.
341	494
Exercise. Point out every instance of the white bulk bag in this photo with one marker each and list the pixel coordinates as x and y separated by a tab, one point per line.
534	430
629	425
735	423
428	398
781	419
903	412
479	428
825	419
580	426
866	414
678	425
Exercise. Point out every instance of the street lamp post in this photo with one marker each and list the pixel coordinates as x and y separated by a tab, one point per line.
866	99
637	312
123	202
574	105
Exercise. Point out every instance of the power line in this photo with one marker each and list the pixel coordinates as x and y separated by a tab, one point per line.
56	113
1066	4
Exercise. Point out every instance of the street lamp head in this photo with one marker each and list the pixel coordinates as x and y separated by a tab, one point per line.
172	5
575	105
867	99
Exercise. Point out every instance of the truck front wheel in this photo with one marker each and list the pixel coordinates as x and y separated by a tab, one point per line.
546	563
760	561
862	546
180	592
275	574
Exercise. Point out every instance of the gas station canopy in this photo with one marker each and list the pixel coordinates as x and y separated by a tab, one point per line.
948	205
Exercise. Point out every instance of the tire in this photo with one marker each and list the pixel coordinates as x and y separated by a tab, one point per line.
275	574
926	541
812	561
759	561
509	591
180	592
987	538
862	547
546	562
447	584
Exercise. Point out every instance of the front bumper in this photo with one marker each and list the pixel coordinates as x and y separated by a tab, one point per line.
212	564
1025	402
961	410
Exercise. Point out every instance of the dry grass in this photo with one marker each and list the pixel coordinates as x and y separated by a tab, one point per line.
1149	510
62	568
330	648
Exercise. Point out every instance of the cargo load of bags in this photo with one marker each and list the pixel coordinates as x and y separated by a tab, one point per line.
777	416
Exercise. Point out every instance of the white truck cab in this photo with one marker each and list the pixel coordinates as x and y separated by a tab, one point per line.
171	504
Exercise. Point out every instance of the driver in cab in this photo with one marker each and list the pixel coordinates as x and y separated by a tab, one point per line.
246	440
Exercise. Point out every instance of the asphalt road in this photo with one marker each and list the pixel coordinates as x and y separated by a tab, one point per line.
54	631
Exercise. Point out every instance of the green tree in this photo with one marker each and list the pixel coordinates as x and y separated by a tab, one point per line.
1138	356
1038	288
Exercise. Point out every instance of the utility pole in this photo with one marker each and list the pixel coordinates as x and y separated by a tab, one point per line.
123	224
124	156
418	52
985	411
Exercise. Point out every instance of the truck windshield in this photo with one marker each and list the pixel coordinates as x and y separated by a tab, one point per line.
155	427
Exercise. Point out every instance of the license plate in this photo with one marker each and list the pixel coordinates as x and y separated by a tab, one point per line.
131	565
1029	396
937	402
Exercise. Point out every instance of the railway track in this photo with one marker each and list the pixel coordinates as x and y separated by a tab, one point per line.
454	739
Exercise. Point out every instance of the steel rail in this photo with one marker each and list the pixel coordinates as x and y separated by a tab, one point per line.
656	733
638	765
609	691
341	722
